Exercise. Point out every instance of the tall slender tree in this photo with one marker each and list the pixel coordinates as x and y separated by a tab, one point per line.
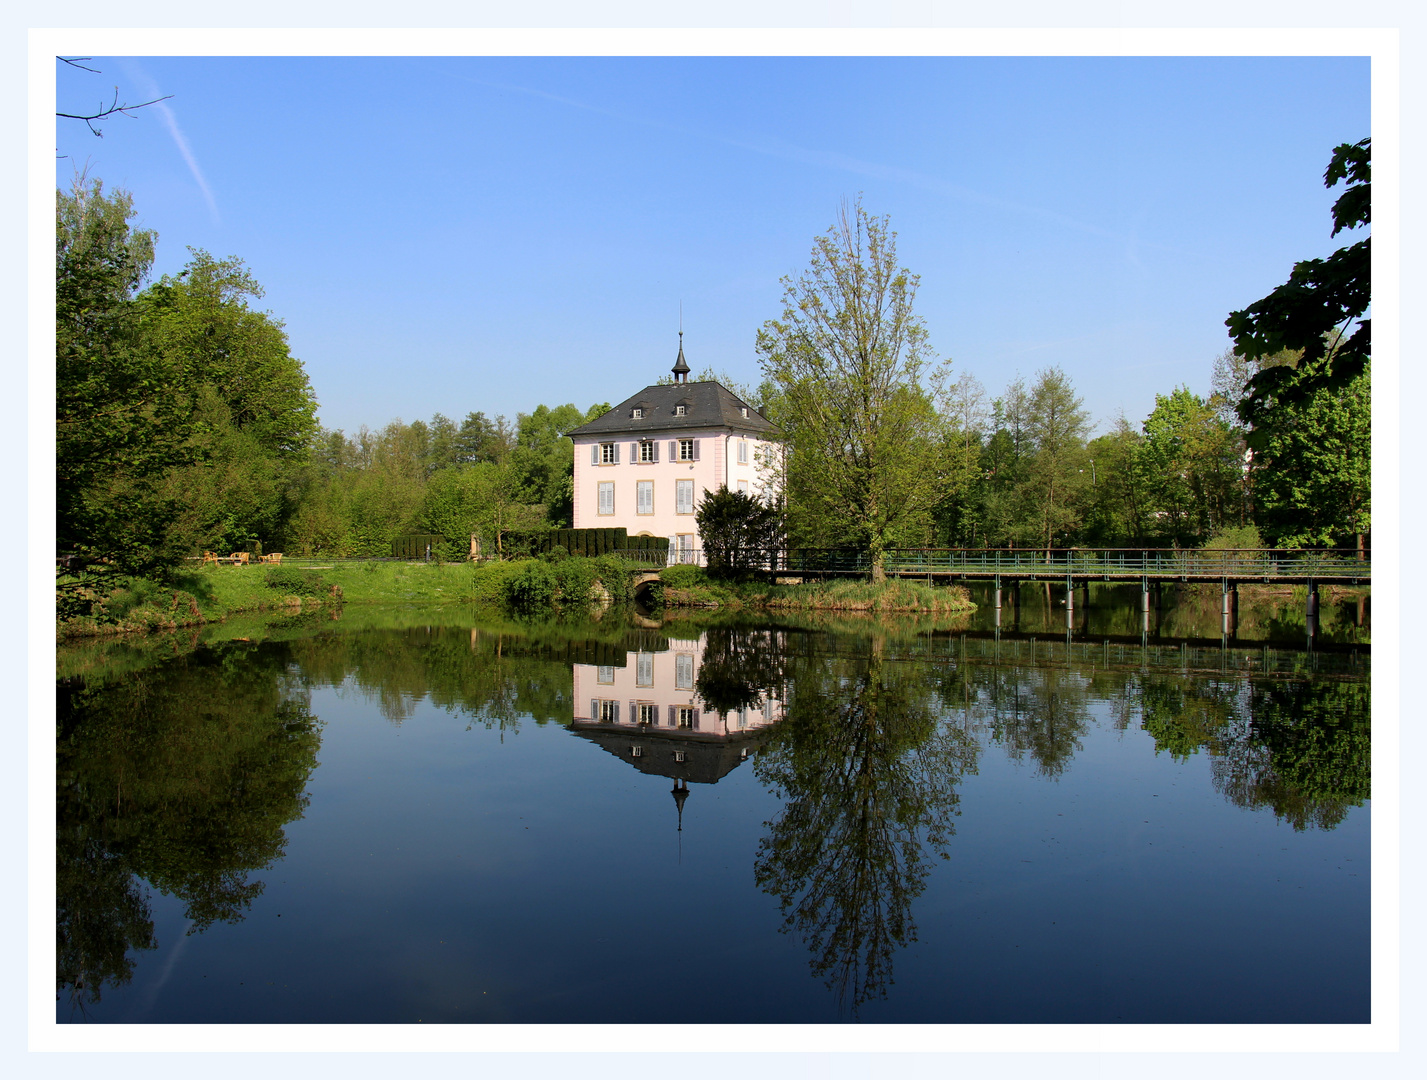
1057	424
867	459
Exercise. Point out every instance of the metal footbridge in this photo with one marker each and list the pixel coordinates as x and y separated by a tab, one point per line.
1265	565
1078	567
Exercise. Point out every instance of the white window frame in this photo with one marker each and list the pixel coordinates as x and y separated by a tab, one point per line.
648	713
743	451
606	487
644	669
644	496
683	671
648	450
683	496
686	450
681	410
609	453
604	674
637	414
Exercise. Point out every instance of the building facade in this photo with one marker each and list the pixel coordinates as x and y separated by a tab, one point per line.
646	463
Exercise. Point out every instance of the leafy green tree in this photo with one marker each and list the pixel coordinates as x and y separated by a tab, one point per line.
1312	481
960	517
483	500
866	458
123	414
254	410
738	532
1119	493
1193	461
1313	311
544	458
480	439
1057	425
1005	460
443	451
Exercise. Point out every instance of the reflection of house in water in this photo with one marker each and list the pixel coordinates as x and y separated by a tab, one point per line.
649	714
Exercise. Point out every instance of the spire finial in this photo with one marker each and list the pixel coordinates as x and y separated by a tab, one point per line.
681	369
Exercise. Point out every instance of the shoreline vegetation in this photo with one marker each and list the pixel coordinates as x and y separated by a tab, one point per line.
202	596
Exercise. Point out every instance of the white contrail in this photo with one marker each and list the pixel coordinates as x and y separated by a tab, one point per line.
187	152
137	74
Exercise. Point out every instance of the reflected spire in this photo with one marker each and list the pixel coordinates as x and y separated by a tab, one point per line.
680	793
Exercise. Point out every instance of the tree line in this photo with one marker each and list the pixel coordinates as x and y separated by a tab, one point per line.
484	478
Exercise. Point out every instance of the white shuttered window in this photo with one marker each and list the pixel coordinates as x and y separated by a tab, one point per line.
607	497
683	497
644	492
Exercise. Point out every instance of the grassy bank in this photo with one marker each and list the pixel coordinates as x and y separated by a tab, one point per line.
212	594
691	587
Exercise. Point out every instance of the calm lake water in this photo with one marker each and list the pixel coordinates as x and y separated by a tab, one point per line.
433	815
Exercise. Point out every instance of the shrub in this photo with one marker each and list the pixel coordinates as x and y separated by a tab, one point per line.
683	576
294	582
574	580
613	573
1244	537
533	586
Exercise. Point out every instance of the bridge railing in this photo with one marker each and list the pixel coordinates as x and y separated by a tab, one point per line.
1154	562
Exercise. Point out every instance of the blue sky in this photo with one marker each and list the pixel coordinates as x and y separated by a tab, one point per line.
458	234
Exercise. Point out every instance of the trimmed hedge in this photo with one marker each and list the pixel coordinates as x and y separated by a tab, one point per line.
413	545
588	543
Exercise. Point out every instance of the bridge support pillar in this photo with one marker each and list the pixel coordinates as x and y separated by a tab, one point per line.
1069	594
1311	612
1145	595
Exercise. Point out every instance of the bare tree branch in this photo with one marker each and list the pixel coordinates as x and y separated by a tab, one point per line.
114	107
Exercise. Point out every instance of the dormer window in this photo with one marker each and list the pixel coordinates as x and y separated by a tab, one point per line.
743	411
681	410
637	413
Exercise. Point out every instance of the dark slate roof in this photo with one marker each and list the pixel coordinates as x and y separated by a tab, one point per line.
709	405
707	758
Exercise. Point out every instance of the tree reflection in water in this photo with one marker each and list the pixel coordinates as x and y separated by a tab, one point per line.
868	776
183	777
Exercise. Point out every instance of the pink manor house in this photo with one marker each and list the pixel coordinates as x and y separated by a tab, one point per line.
646	463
